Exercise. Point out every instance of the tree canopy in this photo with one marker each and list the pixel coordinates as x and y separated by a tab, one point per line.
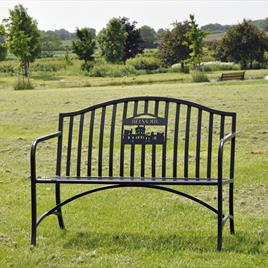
111	40
148	36
133	41
23	37
173	43
244	43
195	42
3	49
85	45
49	44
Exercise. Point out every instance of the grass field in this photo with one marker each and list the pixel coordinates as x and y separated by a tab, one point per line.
67	79
131	227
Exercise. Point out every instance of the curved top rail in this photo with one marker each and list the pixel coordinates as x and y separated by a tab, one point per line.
148	98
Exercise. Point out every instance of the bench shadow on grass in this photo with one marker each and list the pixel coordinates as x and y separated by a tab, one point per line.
239	243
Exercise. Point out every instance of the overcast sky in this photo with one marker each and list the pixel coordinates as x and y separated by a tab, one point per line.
52	15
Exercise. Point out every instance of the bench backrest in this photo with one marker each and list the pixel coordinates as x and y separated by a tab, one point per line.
235	75
143	137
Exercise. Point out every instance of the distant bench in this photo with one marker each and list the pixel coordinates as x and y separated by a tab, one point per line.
232	76
141	142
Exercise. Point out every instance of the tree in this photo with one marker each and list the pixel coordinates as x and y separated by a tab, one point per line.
49	43
195	41
133	41
111	40
215	50
23	37
173	48
84	46
3	50
148	36
63	34
244	43
159	35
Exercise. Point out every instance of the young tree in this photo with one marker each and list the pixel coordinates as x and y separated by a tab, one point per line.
23	37
133	42
111	40
84	46
243	43
148	36
196	43
173	48
3	50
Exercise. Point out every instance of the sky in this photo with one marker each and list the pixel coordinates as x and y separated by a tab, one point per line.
69	15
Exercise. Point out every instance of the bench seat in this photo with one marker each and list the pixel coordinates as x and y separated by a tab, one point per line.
132	180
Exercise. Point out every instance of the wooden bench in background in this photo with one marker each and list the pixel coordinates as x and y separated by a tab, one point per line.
232	76
141	142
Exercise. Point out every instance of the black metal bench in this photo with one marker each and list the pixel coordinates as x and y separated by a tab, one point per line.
232	76
152	142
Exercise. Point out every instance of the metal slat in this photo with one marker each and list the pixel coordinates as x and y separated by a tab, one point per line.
153	159
146	107
59	147
222	126
198	142
132	148
232	159
143	146
112	141
186	146
142	159
79	147
164	150
176	132
156	108
122	150
209	156
69	148
135	108
132	160
101	141
90	140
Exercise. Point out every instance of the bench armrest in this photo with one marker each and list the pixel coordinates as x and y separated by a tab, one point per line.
226	138
33	151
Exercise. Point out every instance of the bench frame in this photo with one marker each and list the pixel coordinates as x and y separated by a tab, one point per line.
232	76
222	218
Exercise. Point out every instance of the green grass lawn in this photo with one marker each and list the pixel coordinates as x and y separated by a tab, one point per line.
131	227
73	78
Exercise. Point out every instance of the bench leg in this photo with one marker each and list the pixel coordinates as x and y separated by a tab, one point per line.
231	207
33	203
59	212
220	223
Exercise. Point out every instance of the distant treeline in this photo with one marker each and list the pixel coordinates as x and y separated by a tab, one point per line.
184	45
64	35
218	28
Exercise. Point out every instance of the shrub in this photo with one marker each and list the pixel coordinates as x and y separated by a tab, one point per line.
219	66
210	66
112	70
177	67
7	68
48	66
141	62
258	65
23	84
87	66
198	76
